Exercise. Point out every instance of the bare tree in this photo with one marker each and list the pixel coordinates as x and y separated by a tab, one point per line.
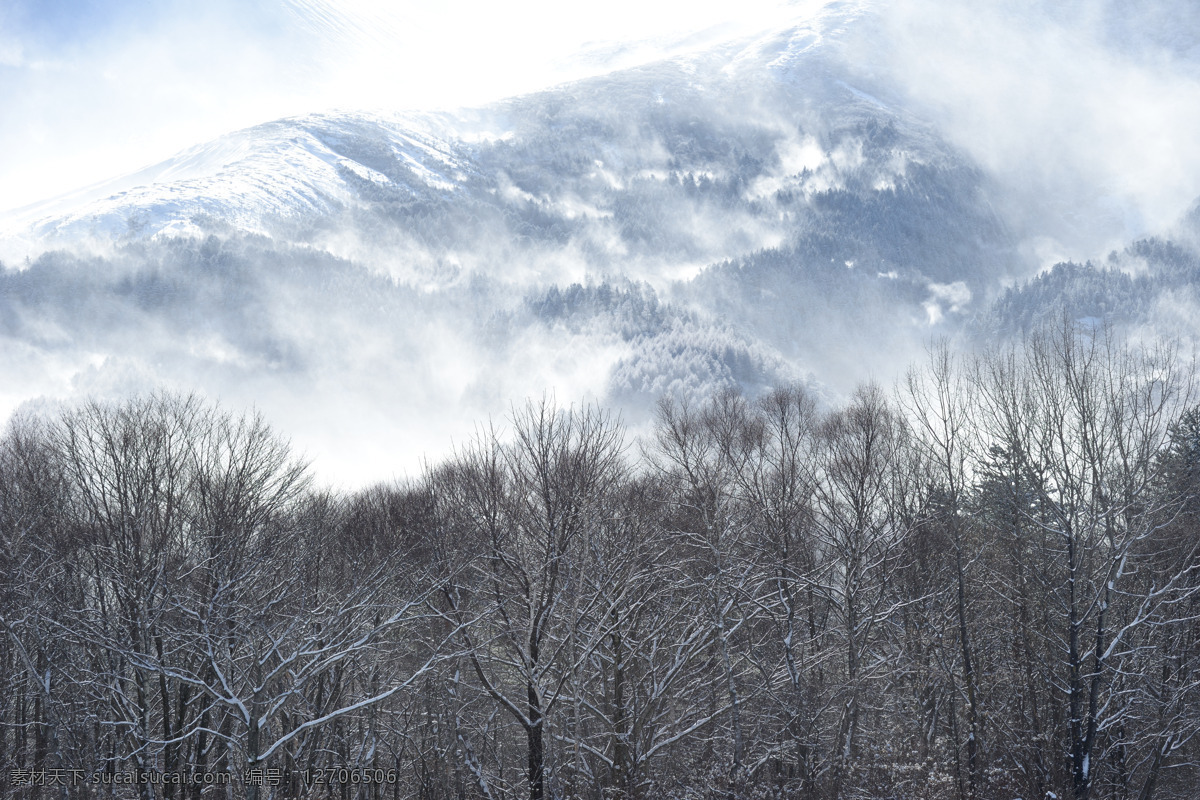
645	687
700	454
37	588
864	474
937	402
1087	417
777	484
528	507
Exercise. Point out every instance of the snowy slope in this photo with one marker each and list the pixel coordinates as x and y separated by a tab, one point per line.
291	169
317	165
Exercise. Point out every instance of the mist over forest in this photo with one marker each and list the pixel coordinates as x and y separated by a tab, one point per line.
985	583
801	406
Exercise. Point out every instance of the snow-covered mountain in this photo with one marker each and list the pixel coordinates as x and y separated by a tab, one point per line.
761	210
310	166
295	169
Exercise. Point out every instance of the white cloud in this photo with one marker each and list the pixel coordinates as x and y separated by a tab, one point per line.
1090	106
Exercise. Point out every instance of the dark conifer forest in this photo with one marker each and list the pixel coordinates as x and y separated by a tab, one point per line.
983	583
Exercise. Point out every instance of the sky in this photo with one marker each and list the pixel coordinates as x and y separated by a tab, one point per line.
94	89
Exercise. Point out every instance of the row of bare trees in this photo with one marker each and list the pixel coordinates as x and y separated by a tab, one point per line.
986	584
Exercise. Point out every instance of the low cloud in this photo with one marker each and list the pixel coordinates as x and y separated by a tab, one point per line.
1086	112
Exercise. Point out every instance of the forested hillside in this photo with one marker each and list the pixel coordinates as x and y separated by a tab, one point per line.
984	584
1151	283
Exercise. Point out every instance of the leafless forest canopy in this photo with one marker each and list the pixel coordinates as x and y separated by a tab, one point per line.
983	584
